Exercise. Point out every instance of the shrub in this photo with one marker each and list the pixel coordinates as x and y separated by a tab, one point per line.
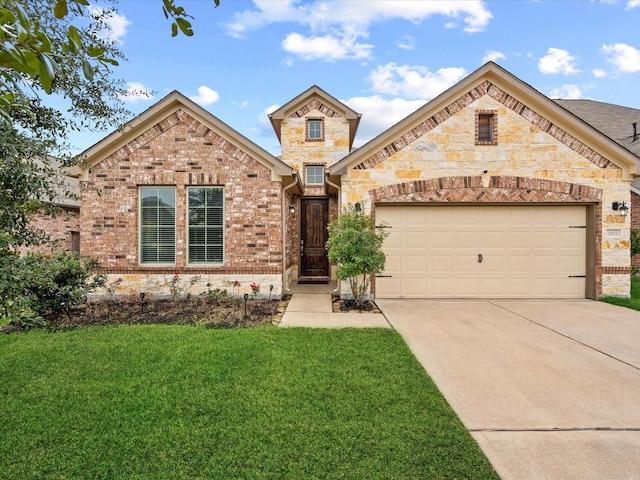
58	282
635	248
355	245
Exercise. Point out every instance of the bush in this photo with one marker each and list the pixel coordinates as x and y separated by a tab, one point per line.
355	245
56	283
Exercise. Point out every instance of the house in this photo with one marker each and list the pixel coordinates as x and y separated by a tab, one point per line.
489	190
622	124
63	228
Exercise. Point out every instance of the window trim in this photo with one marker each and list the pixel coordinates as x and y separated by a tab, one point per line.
306	175
492	115
188	226
140	225
307	129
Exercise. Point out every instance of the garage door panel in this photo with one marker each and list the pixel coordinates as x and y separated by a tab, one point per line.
527	251
439	239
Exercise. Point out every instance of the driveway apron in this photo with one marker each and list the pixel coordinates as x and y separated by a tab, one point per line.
549	389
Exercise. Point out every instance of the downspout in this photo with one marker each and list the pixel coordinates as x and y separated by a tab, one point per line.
337	187
285	211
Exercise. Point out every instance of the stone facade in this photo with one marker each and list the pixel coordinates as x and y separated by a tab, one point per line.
298	151
534	160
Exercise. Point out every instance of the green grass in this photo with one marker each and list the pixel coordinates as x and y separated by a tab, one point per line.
175	402
633	302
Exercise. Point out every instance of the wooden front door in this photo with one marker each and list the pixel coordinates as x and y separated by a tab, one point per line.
314	263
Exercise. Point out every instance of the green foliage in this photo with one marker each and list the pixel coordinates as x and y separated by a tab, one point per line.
355	245
179	16
60	281
59	47
36	283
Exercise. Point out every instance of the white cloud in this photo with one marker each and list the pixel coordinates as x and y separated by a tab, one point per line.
557	61
264	124
493	56
566	91
633	4
136	92
115	24
625	57
328	47
206	96
378	114
598	73
407	43
413	81
344	23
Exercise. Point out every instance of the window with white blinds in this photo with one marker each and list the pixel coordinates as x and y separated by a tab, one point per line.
157	225
205	224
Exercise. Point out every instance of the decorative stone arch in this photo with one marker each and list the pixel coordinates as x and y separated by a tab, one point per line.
509	189
499	189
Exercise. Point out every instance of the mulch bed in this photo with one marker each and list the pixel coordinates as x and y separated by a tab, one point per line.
351	306
228	313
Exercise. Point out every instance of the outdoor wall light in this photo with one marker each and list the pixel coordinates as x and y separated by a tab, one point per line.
292	209
358	207
620	207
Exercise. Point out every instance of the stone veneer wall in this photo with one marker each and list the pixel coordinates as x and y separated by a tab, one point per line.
534	161
298	153
181	152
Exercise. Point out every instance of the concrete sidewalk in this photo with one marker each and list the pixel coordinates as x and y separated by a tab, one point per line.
315	311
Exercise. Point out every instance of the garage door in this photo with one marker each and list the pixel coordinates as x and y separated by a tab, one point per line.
483	252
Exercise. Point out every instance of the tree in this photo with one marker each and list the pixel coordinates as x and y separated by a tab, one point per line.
355	245
62	48
50	47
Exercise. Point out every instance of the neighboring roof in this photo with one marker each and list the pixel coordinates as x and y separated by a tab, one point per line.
615	121
67	184
521	91
167	106
304	98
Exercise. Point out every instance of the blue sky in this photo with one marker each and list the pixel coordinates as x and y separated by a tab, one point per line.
383	58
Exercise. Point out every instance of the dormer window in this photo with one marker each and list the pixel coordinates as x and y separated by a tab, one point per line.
315	130
486	127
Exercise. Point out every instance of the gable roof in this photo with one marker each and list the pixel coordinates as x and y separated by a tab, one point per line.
307	96
615	121
167	106
518	95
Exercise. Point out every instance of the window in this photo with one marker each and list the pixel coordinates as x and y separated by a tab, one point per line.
157	225
314	175
314	130
206	219
486	128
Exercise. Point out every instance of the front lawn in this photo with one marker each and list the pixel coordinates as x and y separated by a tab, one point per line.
176	402
633	302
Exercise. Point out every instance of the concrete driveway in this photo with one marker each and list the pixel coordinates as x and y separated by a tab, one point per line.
549	389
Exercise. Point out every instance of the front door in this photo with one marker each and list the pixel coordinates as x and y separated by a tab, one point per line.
314	263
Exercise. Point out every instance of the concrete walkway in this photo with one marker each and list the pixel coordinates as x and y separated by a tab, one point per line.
314	310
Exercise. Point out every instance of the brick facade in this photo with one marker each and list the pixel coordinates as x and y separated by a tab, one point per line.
63	230
181	152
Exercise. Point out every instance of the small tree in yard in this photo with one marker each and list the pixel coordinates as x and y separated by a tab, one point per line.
355	245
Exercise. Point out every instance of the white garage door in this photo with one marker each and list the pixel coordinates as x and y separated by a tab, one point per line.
483	252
